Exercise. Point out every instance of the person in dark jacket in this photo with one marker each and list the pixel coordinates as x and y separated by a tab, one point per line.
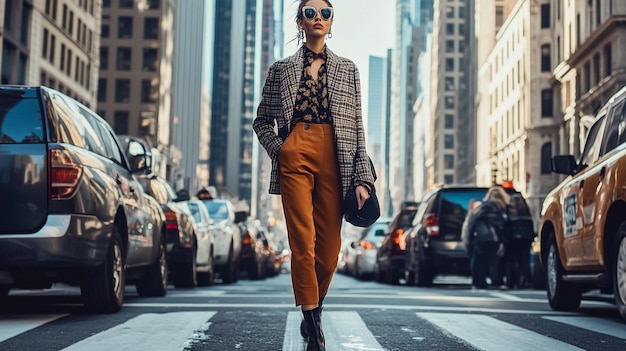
482	234
519	234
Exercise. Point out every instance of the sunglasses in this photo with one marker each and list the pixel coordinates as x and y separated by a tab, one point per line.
309	12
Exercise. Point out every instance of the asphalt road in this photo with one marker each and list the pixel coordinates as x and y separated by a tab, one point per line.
260	315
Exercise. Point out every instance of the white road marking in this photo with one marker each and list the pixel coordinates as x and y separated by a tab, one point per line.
293	339
345	306
343	331
346	331
149	331
478	331
597	325
11	326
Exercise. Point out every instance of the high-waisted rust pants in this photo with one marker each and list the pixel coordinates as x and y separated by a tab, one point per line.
310	186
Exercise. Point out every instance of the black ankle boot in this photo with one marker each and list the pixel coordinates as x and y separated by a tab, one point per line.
303	325
313	321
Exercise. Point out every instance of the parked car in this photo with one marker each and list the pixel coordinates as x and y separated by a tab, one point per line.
180	236
72	209
255	254
391	253
347	255
228	237
582	230
205	239
433	243
365	249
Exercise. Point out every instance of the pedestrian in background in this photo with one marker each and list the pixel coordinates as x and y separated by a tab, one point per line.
519	234
482	234
313	100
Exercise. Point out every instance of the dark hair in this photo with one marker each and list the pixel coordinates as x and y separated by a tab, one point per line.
302	4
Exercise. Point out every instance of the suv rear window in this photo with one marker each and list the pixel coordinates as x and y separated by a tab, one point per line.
20	120
459	199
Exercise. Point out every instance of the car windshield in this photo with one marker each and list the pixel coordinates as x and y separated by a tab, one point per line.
217	209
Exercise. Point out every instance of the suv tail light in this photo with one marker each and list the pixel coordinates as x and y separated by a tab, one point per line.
171	223
246	239
64	174
398	241
431	223
367	245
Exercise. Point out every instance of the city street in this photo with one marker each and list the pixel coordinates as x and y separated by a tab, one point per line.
358	315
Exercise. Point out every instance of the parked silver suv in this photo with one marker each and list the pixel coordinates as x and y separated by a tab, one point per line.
71	209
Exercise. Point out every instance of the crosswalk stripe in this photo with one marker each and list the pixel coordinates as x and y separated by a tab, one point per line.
12	326
293	339
593	324
346	331
343	331
477	330
149	331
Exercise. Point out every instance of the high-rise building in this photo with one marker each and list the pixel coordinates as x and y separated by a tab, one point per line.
51	43
270	39
447	73
411	29
192	88
136	71
233	97
376	121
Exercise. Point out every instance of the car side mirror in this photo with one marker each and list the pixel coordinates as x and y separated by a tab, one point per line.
564	164
138	157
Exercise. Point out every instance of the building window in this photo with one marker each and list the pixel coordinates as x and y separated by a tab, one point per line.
104	58
448	179
546	103
448	161
607	57
154	4
450	28
151	28
150	59
449	64
449	84
449	45
120	122
448	141
106	4
461	12
44	49
545	16
449	102
546	158
122	90
105	26
545	58
125	27
127	4
499	16
102	89
149	91
596	69
123	61
448	121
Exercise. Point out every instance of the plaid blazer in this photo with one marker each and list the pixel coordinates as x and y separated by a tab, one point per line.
273	121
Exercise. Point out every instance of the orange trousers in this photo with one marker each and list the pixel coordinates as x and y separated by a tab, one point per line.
310	186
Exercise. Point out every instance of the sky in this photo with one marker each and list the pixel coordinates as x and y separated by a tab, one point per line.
361	28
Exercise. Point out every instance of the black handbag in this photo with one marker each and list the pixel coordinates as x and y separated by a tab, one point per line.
369	213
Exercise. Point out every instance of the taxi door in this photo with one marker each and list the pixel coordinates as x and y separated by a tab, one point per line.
579	195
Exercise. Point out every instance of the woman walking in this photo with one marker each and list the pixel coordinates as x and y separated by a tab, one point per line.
313	99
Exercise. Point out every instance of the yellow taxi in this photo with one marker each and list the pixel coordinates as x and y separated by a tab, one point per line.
582	231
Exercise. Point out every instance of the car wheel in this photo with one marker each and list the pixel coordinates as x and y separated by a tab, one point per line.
228	275
103	289
562	296
378	277
619	270
391	275
154	283
206	278
185	276
422	277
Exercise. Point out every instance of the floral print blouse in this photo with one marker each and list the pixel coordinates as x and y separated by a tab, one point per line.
312	104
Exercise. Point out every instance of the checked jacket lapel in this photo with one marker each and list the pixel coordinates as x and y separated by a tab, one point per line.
290	84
